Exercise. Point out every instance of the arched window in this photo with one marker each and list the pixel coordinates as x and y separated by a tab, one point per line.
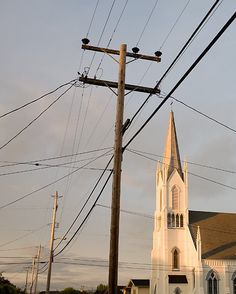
177	220
169	220
234	282
173	220
212	282
175	259
175	198
181	221
177	291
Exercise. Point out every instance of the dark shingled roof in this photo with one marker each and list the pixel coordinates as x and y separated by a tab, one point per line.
218	231
140	282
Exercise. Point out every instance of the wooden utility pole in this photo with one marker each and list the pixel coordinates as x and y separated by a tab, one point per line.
26	280
55	206
116	184
32	274
37	270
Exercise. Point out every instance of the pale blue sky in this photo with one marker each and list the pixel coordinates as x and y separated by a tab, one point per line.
41	49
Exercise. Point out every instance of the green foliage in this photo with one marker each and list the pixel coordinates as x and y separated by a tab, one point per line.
70	290
6	287
101	288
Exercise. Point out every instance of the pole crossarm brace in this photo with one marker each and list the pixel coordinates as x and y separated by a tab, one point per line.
117	52
111	84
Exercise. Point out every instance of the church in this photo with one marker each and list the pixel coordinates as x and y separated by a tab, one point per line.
193	251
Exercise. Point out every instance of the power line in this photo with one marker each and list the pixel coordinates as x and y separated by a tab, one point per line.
223	29
88	198
189	162
128	211
91	21
194	37
38	116
21	237
152	217
205	115
37	99
188	41
193	174
112	35
35	162
48	185
103	30
177	57
50	166
174	25
87	215
16	249
147	22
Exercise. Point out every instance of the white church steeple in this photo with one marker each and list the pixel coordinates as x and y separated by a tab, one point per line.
171	237
171	159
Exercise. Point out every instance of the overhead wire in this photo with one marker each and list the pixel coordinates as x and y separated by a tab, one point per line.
37	117
188	41
23	236
86	217
195	36
183	161
48	185
147	22
174	25
204	114
112	35
190	69
92	19
16	249
50	166
37	99
177	57
88	198
202	227
103	30
36	161
190	173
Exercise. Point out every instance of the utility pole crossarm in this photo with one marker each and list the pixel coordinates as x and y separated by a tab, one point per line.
111	84
117	52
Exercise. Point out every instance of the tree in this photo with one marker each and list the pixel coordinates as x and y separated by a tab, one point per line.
70	290
6	287
101	289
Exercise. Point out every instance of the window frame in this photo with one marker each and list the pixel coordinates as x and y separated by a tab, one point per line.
175	198
175	259
212	282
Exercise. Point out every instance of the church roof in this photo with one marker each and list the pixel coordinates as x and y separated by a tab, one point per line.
171	154
218	233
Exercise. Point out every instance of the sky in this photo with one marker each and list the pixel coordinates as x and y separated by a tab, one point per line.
41	50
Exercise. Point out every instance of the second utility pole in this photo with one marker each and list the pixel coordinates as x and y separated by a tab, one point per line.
52	242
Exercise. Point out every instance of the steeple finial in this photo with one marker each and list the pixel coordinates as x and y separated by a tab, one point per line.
171	154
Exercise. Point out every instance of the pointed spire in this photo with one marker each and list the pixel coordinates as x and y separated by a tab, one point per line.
171	154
